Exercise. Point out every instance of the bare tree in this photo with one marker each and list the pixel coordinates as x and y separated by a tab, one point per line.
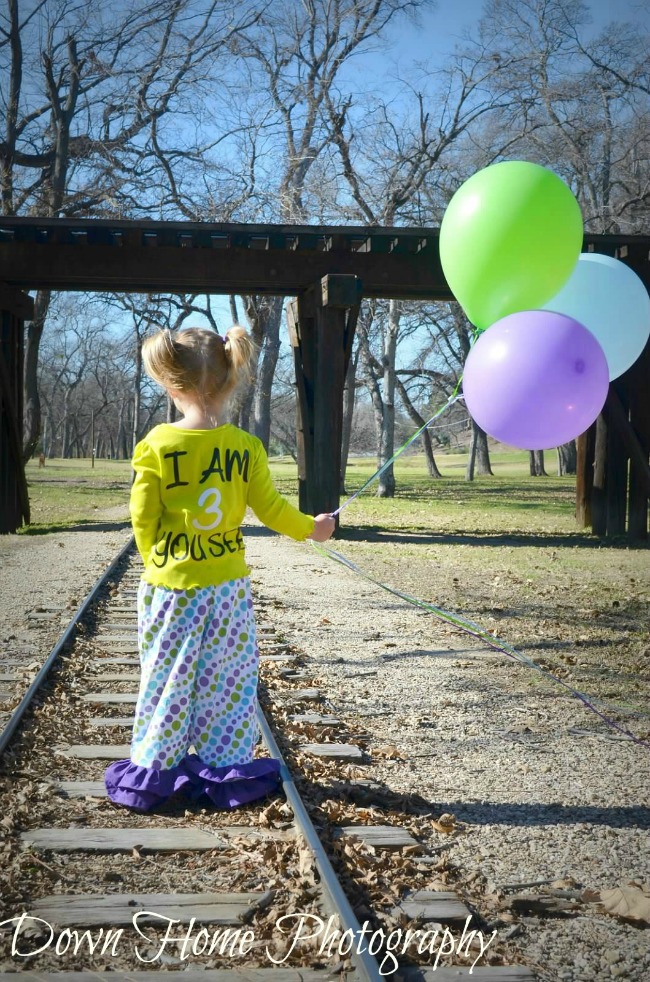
396	174
296	54
448	337
536	463
86	86
83	371
579	107
567	458
416	417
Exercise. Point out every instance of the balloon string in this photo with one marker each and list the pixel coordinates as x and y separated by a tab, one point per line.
454	397
477	632
454	619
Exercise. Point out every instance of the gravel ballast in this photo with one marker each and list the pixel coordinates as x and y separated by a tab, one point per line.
488	740
460	725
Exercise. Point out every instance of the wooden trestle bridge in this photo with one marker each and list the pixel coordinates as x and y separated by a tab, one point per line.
327	270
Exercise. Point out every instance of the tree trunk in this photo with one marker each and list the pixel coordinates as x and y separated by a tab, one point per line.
348	412
471	460
386	487
65	430
31	398
567	458
272	317
137	383
537	463
483	466
419	421
478	461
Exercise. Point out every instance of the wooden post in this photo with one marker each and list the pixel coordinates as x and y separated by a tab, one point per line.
298	342
598	501
616	465
585	448
321	328
15	308
639	492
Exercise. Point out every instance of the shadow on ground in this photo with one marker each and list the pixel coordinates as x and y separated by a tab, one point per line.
375	533
99	526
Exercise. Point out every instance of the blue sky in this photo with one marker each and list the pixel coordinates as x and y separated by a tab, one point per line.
433	39
441	27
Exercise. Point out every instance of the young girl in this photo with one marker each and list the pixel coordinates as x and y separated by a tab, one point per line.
198	652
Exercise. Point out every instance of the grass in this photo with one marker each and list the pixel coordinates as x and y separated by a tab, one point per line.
65	493
504	551
72	492
511	501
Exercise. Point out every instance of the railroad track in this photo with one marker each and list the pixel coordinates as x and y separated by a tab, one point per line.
250	894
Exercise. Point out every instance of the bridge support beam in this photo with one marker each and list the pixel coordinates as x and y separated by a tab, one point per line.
15	308
322	321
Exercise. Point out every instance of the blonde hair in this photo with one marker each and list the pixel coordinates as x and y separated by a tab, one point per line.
199	360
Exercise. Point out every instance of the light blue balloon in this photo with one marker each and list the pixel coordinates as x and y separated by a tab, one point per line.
610	300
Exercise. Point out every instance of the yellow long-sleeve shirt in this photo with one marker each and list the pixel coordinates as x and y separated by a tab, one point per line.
189	498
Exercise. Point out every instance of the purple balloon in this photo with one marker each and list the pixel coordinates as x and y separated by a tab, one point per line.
535	379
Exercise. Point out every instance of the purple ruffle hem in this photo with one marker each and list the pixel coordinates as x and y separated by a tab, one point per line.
144	788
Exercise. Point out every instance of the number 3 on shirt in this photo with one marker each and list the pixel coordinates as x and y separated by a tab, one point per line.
210	509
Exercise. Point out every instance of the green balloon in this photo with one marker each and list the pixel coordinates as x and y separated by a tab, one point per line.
509	240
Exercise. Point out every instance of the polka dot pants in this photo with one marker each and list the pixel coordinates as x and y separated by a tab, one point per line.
199	664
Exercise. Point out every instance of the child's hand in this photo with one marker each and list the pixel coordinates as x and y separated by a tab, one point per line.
324	526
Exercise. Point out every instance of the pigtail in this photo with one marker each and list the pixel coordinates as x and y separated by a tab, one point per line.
240	351
199	360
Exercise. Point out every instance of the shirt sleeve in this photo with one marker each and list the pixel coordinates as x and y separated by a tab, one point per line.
146	502
269	505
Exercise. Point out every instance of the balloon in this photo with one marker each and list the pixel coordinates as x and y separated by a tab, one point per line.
608	298
509	240
535	380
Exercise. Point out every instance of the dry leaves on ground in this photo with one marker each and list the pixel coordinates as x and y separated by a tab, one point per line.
630	902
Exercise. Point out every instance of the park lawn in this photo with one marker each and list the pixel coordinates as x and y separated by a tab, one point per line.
450	503
66	493
502	551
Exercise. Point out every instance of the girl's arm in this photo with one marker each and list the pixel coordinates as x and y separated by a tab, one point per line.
269	505
146	503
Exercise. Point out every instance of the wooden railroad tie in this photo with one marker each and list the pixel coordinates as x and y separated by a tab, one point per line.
153	840
119	660
122	840
123	648
380	836
432	905
100	751
109	698
334	751
275	974
111	721
117	909
315	719
116	677
302	695
81	789
482	973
